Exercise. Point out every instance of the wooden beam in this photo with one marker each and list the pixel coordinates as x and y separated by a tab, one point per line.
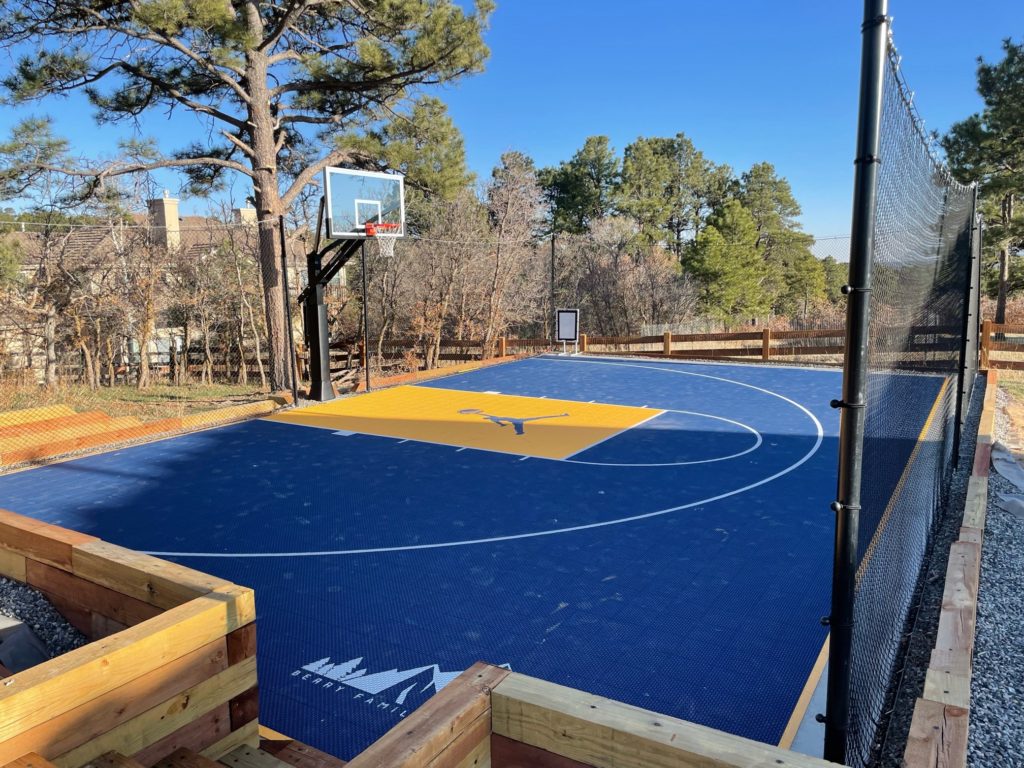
938	736
37	540
508	753
250	757
960	599
113	760
89	595
295	753
93	718
30	760
186	758
12	565
948	679
195	735
50	689
28	415
245	708
976	504
150	579
195	704
241	643
432	728
604	733
247	734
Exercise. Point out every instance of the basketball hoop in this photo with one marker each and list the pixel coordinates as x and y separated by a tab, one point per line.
385	234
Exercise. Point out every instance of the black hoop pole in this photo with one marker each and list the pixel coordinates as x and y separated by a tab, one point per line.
293	373
855	366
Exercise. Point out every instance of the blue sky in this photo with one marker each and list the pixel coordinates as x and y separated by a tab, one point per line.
746	80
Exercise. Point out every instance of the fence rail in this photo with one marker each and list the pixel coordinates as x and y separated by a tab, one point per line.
1002	346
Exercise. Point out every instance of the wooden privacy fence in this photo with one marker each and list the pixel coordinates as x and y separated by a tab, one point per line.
763	344
919	346
1002	345
740	345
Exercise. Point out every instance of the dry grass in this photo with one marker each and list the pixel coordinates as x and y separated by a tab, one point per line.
155	402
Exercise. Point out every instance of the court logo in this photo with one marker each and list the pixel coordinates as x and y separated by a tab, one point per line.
396	692
519	424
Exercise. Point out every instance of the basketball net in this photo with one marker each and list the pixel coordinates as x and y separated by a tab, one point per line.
382	235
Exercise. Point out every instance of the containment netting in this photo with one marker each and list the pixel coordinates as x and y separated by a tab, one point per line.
922	335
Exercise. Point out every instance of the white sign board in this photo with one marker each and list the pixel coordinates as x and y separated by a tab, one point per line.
567	325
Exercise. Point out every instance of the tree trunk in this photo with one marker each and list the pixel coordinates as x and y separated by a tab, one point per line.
111	371
1004	276
1004	258
268	206
247	306
50	343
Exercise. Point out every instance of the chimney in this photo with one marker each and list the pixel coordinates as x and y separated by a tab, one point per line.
163	218
245	216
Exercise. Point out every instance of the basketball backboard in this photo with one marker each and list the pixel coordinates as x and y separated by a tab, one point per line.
353	198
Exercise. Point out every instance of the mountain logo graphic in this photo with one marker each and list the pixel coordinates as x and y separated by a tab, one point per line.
394	685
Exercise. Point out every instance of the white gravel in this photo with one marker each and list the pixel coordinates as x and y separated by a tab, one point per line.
19	601
997	688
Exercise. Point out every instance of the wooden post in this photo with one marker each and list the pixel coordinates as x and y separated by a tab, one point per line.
583	342
501	346
986	339
766	343
362	355
668	342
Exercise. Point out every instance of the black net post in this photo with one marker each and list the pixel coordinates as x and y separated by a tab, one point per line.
969	341
851	434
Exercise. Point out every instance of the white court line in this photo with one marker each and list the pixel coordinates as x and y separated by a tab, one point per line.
555	531
460	450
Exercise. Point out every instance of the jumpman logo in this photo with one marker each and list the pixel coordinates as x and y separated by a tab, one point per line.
516	422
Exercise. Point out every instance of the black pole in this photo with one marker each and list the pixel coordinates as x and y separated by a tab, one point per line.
293	373
963	385
851	430
366	317
317	339
551	315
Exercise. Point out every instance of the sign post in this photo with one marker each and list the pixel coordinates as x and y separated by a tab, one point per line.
567	328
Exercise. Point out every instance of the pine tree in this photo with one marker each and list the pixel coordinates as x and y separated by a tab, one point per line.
988	147
274	83
726	262
582	190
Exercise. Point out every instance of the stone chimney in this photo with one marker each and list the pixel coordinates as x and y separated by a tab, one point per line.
245	216
163	218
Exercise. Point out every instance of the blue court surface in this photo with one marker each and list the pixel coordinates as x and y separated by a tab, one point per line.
681	564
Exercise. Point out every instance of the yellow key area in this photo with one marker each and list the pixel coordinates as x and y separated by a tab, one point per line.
527	426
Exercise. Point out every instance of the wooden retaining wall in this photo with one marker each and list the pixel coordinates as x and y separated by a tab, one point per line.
938	731
36	434
492	717
171	662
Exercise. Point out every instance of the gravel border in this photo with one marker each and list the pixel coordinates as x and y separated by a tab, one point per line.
921	638
996	732
20	601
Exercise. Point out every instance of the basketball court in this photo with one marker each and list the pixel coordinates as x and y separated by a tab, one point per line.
654	532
